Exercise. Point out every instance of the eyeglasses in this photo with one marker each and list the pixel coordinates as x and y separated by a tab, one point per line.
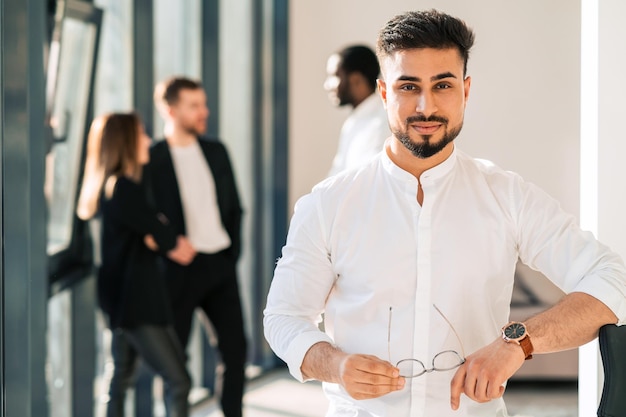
442	361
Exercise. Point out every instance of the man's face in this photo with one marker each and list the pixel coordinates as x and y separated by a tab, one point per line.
337	82
190	112
425	95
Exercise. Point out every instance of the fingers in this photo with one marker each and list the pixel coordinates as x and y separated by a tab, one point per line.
485	389
150	243
477	381
482	376
457	386
188	251
365	377
183	253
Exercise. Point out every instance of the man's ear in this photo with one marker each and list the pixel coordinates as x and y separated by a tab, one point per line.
358	83
467	83
169	111
382	90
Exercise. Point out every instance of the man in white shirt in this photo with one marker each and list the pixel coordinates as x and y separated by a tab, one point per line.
411	257
193	185
351	80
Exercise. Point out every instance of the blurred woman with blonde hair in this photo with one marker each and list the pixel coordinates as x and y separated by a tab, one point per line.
131	291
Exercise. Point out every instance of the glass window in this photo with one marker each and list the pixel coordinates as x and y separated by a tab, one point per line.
70	66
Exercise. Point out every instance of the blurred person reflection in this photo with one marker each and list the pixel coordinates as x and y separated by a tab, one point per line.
351	80
131	292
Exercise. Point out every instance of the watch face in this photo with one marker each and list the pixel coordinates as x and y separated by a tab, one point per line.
514	331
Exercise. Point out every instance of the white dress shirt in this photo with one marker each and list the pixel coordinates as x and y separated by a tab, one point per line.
360	243
203	222
362	135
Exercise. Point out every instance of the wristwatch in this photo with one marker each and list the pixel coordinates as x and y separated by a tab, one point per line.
515	332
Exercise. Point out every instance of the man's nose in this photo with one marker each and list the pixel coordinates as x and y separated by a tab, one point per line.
426	104
330	83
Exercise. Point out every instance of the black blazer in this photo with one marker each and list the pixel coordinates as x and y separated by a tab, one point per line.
131	289
163	188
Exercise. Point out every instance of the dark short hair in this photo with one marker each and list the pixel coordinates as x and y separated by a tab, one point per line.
168	91
362	59
425	29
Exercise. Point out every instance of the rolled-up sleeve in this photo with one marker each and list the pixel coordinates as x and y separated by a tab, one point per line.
552	242
302	281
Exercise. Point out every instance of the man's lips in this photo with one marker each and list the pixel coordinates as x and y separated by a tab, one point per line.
426	128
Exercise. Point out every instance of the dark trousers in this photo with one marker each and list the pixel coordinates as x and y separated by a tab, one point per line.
210	283
161	351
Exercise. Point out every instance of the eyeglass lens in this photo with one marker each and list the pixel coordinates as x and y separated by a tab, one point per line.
443	361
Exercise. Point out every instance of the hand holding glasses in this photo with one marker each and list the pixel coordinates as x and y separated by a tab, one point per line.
442	361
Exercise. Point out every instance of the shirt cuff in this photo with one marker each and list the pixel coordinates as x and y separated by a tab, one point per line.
612	297
298	349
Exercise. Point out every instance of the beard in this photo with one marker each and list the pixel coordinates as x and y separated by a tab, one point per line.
343	96
196	129
426	148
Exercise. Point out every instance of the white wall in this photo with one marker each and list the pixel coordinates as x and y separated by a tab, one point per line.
602	171
612	143
524	104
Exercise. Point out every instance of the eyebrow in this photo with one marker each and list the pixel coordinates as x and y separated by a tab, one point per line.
437	77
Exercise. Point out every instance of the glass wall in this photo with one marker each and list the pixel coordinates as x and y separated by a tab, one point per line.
54	346
141	43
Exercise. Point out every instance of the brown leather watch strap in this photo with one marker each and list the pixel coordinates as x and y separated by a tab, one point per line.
527	347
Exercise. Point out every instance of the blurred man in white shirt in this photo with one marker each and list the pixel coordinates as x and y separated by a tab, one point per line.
351	80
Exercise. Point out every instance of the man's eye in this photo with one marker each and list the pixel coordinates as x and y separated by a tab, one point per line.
442	86
408	87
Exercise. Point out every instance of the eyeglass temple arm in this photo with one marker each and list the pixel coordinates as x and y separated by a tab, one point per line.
451	326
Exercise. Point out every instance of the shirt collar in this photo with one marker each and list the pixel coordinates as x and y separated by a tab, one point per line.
428	177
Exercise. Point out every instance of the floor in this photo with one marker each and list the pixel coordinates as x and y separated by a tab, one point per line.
276	394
